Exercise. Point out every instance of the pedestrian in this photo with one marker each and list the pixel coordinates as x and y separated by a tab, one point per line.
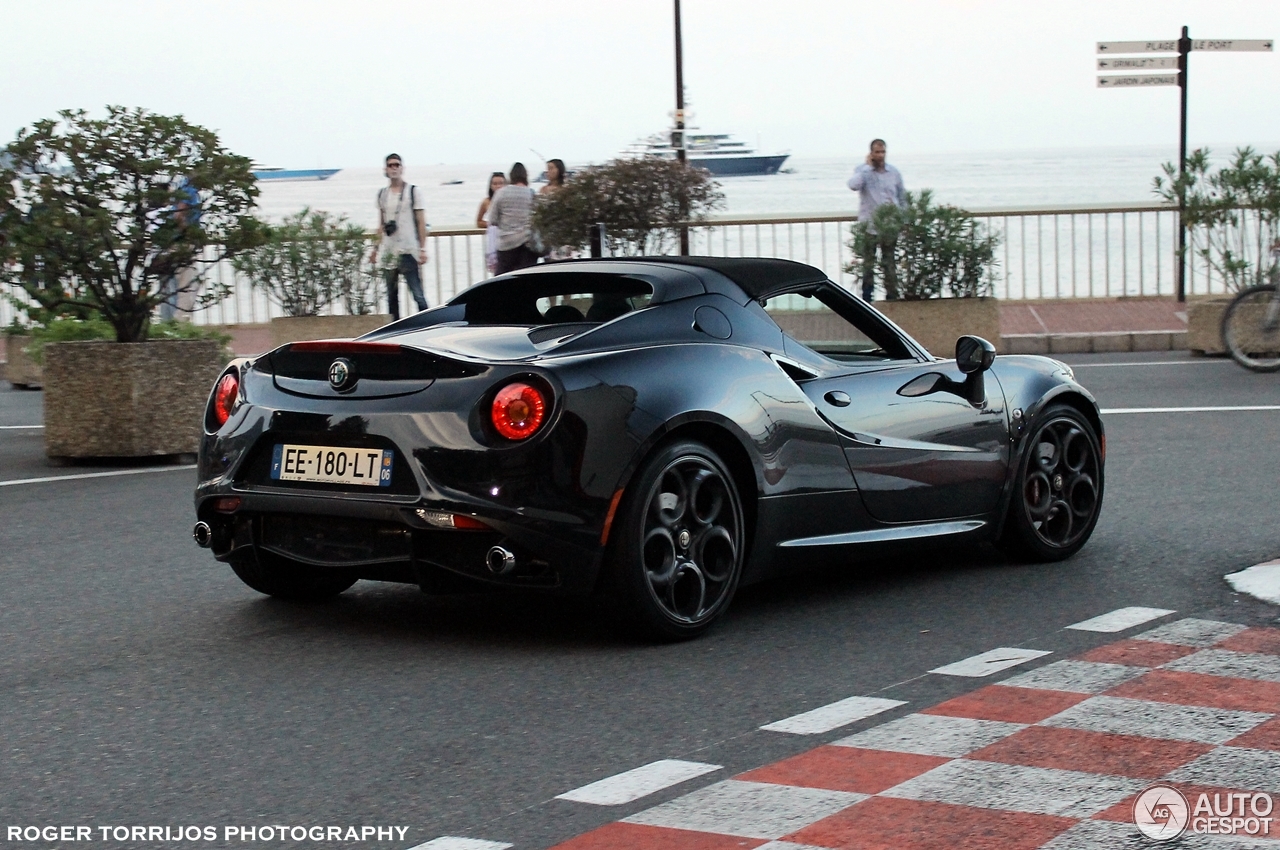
878	183
510	212
496	181
555	177
402	221
180	287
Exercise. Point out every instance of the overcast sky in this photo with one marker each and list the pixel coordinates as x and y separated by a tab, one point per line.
339	83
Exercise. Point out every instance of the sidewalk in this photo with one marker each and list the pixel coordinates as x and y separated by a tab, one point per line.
1092	325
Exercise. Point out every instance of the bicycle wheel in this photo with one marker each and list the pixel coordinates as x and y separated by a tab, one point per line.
1251	328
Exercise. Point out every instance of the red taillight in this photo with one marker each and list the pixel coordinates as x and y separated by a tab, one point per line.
224	398
518	411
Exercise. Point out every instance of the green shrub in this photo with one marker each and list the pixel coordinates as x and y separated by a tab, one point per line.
1233	213
641	203
939	250
97	328
310	261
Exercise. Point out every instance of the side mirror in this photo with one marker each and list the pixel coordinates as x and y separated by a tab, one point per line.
974	354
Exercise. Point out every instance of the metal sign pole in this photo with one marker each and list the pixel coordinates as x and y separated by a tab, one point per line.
680	152
1184	54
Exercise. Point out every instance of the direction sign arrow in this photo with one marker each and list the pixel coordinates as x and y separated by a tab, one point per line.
1137	80
1168	46
1137	63
1236	44
1171	45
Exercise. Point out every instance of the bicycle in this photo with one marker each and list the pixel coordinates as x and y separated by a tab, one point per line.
1251	323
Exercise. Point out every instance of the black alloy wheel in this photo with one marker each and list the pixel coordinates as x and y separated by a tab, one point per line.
677	545
1058	493
275	575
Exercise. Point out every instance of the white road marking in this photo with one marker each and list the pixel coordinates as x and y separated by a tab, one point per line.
1229	408
1262	581
1120	619
833	716
452	842
1018	788
637	783
1191	632
986	663
931	735
1076	677
1238	665
1147	719
1232	767
96	475
748	809
19	427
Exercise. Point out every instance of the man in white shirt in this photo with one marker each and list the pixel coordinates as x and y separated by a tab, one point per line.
402	221
878	183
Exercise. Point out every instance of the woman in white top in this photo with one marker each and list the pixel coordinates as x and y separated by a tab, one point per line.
496	181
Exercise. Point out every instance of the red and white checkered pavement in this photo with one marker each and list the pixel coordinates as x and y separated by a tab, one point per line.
1052	758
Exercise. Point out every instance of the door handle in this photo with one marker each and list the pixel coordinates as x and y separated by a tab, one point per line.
838	398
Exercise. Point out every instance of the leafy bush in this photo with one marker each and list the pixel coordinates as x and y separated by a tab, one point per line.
310	261
1233	213
641	203
96	215
939	250
97	328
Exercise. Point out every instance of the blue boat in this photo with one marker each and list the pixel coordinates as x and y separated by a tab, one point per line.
281	175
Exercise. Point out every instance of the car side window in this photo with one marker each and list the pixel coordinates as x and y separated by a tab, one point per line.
817	320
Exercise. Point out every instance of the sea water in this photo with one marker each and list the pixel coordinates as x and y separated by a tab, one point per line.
811	185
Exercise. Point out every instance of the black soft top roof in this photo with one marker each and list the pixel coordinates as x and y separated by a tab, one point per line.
757	276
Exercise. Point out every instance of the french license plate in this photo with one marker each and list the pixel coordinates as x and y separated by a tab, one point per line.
332	465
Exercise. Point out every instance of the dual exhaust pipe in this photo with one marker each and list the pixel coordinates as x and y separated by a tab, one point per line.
500	560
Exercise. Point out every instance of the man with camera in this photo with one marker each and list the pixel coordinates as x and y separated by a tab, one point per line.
403	221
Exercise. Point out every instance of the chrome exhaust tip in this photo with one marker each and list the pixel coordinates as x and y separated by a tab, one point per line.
202	534
500	561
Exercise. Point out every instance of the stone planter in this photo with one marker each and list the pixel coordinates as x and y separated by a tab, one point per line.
114	399
1204	325
296	328
20	370
936	323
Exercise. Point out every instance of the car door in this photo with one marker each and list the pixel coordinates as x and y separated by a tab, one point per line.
915	457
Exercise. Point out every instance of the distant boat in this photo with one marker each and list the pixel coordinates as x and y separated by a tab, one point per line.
452	182
716	152
277	174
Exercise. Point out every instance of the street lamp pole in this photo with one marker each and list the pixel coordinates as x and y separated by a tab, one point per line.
678	135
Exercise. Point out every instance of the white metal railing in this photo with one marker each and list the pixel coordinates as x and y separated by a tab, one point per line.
1045	252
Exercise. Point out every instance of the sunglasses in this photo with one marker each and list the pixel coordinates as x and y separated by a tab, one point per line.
393	165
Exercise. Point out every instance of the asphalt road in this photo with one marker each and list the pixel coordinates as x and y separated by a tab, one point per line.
142	684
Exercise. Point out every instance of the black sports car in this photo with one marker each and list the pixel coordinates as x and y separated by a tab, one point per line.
665	428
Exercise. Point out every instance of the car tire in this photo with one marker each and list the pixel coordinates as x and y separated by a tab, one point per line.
274	575
677	545
1057	493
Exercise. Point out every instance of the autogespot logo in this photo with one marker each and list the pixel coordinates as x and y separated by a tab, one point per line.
1161	813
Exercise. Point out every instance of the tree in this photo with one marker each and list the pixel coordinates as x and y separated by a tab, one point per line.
641	203
99	214
937	249
309	261
1233	213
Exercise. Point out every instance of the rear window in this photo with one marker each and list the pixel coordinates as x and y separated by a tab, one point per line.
553	299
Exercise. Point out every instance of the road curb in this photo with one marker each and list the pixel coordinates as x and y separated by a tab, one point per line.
1093	343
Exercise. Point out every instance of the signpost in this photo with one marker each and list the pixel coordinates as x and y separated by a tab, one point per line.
1183	47
678	135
